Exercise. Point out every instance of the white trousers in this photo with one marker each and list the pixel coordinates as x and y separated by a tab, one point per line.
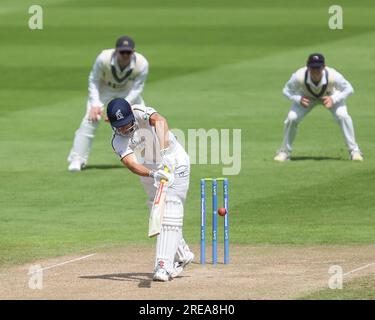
297	114
84	136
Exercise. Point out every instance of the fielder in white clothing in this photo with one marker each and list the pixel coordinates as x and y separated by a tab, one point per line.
318	84
145	145
119	72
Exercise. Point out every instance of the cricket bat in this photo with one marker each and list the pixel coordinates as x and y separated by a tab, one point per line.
158	208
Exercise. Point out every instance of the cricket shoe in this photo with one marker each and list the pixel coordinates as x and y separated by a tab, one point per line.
356	155
282	156
161	275
76	166
180	266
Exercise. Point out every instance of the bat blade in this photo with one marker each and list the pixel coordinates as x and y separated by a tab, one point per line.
157	211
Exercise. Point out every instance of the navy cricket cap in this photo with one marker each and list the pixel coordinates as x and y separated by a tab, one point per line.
119	113
125	43
315	60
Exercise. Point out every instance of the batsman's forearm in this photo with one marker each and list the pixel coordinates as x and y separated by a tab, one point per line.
136	168
162	132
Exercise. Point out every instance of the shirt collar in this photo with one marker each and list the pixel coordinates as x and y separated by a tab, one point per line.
115	64
322	82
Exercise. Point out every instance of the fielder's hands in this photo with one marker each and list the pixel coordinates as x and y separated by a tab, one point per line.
327	101
161	174
305	102
95	114
168	159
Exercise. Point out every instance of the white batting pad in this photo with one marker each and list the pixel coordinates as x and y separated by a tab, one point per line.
182	251
166	246
174	211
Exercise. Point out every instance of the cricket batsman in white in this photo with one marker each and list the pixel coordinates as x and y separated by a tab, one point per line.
145	145
312	85
119	72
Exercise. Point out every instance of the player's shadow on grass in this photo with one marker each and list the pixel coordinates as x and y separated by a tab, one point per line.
104	166
144	279
301	158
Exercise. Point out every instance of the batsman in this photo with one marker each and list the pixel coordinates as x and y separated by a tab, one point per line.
146	146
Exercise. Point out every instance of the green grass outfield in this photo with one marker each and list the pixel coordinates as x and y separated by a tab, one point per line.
213	64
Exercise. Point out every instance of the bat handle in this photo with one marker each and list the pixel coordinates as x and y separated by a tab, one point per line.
166	170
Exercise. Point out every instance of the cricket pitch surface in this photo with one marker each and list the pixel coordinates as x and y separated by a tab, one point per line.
254	272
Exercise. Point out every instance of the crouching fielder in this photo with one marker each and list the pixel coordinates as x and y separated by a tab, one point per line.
145	146
318	84
119	72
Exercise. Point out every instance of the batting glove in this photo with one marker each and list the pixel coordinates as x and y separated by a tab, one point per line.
162	175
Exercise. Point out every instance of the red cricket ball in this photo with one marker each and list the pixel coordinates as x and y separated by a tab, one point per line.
222	212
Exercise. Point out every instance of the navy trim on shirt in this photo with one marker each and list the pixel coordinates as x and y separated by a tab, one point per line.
119	80
324	88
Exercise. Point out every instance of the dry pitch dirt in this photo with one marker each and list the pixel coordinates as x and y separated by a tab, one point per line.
255	272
